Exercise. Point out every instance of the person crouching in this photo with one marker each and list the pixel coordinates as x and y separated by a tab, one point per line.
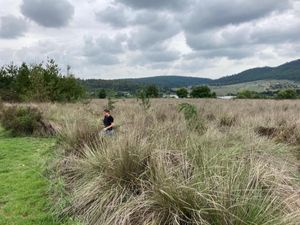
108	122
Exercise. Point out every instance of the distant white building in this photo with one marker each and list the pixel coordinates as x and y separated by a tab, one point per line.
226	97
170	96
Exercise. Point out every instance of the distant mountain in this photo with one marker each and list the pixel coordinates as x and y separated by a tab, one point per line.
172	81
134	83
288	71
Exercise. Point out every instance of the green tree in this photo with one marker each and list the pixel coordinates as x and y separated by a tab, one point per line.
38	82
7	80
182	93
70	89
152	91
202	92
38	89
22	82
287	94
102	93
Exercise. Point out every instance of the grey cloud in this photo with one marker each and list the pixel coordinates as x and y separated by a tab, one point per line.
48	13
230	53
104	59
160	29
195	64
114	16
270	31
209	14
12	27
213	39
162	56
155	57
120	17
277	32
154	4
103	50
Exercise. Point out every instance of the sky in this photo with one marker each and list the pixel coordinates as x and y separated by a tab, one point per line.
110	39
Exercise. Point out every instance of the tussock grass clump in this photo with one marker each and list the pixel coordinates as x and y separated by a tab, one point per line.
157	170
289	134
126	182
25	120
227	120
74	136
194	122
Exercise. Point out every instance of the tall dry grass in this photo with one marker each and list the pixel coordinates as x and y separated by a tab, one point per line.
157	169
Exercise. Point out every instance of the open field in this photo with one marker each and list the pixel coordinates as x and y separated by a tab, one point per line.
24	197
227	162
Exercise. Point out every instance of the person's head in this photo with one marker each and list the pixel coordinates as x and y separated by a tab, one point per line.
106	112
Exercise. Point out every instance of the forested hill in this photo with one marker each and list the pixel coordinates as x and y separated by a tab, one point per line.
287	71
134	83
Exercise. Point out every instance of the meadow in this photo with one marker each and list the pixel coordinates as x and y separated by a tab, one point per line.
208	162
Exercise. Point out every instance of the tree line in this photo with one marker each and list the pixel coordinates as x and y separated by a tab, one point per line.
280	94
38	82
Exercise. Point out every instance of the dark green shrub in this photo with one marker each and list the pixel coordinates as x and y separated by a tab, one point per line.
287	94
152	91
21	120
202	92
182	93
102	93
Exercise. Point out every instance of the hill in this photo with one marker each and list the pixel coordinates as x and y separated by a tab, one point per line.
256	86
133	84
289	71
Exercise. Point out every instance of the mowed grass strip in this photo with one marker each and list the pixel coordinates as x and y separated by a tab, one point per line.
23	188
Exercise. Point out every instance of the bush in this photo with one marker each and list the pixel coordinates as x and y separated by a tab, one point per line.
182	93
287	94
152	91
102	94
202	92
21	120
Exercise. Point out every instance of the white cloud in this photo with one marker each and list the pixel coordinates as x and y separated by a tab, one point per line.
120	38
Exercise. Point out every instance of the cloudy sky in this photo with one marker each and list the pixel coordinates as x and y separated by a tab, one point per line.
137	38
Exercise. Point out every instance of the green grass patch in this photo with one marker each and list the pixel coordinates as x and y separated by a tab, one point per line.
24	190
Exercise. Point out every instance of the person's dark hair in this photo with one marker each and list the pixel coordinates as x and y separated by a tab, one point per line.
106	110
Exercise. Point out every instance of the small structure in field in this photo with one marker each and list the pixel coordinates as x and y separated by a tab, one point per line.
170	96
226	97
